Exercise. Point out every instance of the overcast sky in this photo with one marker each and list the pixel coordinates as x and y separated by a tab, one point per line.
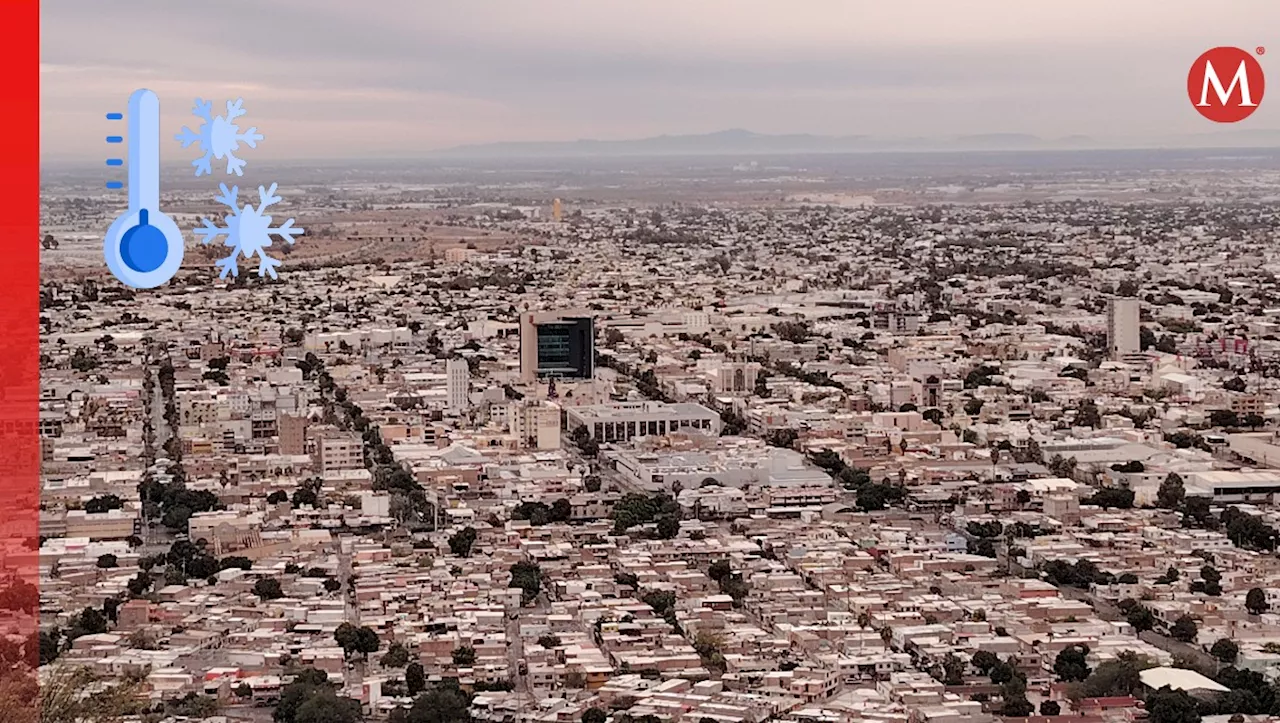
365	78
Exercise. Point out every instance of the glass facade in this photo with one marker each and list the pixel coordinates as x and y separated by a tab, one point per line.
566	349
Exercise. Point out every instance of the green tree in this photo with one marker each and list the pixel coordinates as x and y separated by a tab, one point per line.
1013	693
1225	650
397	656
952	670
1255	601
326	706
1171	706
303	686
1116	677
1050	708
464	656
1071	665
415	678
460	543
62	700
528	577
1184	629
1141	618
1171	492
984	661
268	588
442	704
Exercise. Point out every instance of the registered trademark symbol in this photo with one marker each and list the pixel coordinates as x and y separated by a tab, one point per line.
1261	50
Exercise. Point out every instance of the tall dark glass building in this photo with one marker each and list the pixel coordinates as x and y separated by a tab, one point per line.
556	345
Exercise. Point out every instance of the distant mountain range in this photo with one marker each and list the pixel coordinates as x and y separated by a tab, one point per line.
744	142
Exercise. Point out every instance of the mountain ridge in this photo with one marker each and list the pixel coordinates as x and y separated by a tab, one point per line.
739	141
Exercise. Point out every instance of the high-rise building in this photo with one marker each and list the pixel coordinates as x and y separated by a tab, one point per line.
556	345
293	434
459	385
557	211
1123	327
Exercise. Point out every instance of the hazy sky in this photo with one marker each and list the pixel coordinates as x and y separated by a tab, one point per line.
351	78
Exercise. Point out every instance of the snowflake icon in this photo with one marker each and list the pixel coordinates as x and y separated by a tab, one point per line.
219	137
248	231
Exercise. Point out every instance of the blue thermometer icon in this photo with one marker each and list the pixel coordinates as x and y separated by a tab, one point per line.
143	247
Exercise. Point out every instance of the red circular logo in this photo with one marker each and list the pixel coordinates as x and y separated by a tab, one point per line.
1226	84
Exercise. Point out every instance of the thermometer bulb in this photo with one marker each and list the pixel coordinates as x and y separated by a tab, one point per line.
144	247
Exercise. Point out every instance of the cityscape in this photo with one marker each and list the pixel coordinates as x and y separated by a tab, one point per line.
650	363
779	439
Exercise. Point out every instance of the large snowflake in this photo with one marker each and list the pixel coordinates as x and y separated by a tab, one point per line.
248	231
219	137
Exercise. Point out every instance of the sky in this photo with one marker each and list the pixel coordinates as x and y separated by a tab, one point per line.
328	79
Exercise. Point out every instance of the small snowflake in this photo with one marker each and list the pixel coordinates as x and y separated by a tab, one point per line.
219	137
248	231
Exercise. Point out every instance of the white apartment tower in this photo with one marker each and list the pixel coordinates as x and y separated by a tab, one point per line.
1123	327
459	385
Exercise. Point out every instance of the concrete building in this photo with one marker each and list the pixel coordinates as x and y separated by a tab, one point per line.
623	421
1123	337
735	377
554	344
338	451
458	385
536	424
293	434
112	525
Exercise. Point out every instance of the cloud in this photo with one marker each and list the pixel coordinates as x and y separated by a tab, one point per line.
337	78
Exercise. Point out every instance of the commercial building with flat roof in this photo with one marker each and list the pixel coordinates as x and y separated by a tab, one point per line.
624	421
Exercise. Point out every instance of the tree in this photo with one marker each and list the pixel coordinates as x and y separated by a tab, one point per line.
460	543
1014	694
1255	601
1171	706
1171	492
277	497
268	588
1224	418
1141	618
1184	629
1116	677
108	561
397	656
1109	497
984	660
1225	650
415	678
1235	384
305	685
528	577
62	699
464	656
952	670
594	715
326	706
547	640
442	704
103	503
50	644
1071	665
1050	708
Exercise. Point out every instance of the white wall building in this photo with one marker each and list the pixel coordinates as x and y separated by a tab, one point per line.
458	385
1123	326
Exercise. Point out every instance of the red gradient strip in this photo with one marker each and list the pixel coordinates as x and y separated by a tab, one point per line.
19	351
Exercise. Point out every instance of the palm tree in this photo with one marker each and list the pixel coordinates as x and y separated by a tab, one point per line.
886	636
